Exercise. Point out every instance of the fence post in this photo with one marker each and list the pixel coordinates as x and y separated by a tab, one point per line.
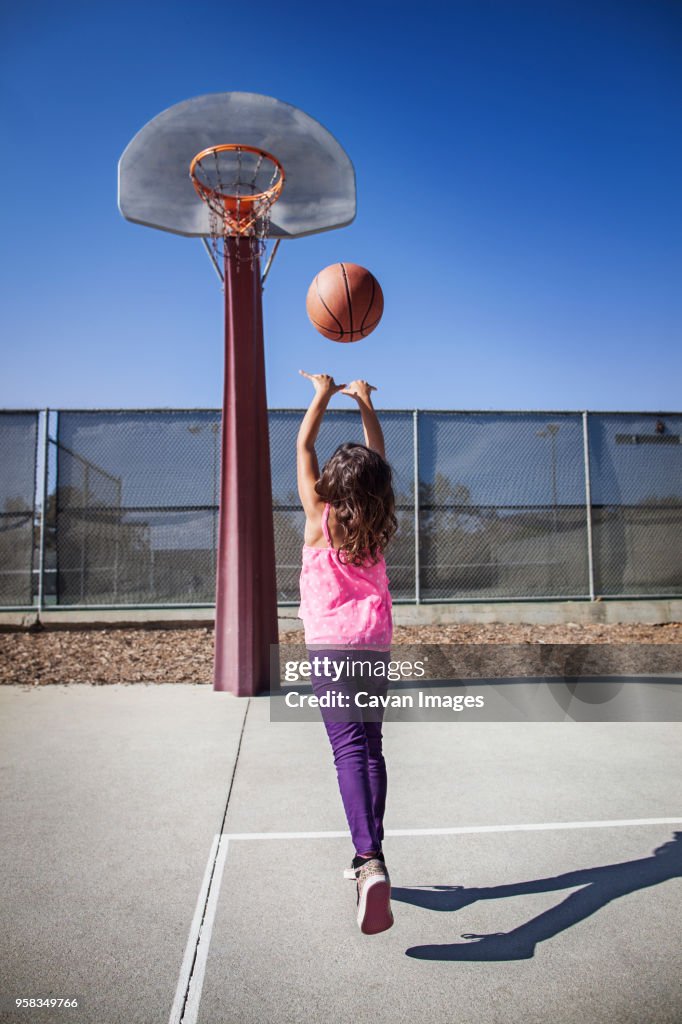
588	506
43	514
415	460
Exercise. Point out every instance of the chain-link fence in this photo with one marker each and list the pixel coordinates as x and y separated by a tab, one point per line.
18	455
491	505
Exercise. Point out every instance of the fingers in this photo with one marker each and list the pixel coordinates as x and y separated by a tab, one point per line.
360	385
347	389
316	376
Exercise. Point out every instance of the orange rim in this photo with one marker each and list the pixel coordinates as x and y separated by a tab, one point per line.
206	192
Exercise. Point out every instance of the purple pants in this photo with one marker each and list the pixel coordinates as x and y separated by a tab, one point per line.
356	741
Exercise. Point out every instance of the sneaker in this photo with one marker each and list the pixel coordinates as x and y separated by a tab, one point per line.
352	872
374	897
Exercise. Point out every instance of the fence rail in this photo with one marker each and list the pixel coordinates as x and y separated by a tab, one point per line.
119	508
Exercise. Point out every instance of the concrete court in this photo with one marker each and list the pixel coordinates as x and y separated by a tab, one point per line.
113	796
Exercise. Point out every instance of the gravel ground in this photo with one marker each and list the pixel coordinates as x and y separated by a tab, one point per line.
126	655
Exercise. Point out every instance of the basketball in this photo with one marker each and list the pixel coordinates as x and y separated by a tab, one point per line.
345	302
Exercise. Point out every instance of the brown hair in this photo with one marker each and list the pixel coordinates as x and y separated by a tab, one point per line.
357	483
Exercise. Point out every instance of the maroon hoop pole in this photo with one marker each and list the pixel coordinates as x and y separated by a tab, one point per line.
246	596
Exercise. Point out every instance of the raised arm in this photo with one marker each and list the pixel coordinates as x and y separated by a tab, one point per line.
307	468
360	390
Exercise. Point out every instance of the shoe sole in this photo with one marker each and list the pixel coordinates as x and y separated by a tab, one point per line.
374	910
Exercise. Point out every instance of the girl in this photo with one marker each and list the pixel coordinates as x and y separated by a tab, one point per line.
346	612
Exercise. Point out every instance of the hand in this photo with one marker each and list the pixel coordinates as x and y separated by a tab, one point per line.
323	383
359	389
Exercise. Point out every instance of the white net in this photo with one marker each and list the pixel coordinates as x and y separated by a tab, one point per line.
239	184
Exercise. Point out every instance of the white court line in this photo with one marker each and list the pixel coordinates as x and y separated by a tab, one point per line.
190	983
464	829
193	968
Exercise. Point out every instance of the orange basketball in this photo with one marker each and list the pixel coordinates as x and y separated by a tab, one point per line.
345	302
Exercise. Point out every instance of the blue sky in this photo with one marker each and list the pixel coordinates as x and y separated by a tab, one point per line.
518	168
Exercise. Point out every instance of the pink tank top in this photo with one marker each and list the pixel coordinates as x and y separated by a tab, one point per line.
342	604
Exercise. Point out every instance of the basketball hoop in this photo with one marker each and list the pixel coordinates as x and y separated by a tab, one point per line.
153	190
239	184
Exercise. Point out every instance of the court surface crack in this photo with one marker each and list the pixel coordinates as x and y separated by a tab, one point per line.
184	1010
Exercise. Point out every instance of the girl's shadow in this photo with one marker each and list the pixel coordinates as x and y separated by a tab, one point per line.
600	886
